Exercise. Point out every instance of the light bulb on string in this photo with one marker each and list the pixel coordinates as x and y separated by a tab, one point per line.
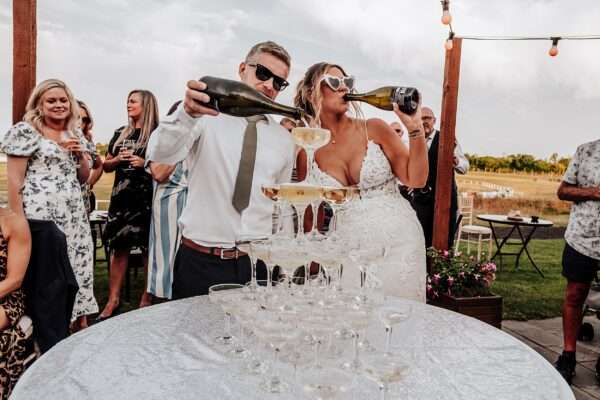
446	17
449	44
553	52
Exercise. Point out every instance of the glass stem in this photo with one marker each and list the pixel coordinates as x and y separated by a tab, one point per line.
355	345
383	389
300	209
227	334
388	338
310	155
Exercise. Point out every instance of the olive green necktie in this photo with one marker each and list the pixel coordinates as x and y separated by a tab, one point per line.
243	182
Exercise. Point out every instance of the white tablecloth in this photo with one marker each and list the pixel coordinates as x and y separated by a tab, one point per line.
166	352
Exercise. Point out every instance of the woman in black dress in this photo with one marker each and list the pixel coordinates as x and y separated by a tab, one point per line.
131	200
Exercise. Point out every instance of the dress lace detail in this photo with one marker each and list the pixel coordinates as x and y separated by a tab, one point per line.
383	215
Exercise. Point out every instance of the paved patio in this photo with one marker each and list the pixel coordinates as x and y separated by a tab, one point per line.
545	336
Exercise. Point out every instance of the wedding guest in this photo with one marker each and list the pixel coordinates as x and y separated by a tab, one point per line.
225	203
46	166
15	328
129	213
423	199
581	255
170	193
86	124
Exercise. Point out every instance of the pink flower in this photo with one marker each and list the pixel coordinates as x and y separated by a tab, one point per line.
458	253
461	274
450	281
436	279
477	276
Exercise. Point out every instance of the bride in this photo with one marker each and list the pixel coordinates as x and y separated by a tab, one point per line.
368	153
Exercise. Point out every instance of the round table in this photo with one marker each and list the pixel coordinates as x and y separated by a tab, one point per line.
167	352
523	239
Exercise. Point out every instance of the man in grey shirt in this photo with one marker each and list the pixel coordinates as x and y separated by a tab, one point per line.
581	185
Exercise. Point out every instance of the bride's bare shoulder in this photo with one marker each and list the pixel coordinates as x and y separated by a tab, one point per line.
378	129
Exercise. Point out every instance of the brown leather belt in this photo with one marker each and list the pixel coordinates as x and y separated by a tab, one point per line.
231	253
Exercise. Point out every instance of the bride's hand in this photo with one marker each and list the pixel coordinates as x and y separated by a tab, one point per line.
411	122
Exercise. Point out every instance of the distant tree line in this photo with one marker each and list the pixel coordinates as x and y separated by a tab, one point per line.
519	162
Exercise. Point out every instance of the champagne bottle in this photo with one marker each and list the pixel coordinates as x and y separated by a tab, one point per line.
240	100
407	98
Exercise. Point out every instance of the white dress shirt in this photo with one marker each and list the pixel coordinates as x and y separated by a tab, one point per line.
463	164
213	147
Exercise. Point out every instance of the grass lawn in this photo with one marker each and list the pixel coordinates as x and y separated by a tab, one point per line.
525	293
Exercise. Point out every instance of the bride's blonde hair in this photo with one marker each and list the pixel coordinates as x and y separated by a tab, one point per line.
309	97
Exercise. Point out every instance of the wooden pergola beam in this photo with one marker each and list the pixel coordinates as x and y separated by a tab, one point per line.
24	54
445	166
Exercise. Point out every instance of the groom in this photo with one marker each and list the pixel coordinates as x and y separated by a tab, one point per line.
229	159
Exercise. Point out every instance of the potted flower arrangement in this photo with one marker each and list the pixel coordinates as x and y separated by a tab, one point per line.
461	283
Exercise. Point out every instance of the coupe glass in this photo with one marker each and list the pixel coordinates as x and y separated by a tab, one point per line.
391	315
310	139
222	295
385	370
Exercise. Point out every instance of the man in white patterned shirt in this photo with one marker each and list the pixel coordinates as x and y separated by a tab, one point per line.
580	260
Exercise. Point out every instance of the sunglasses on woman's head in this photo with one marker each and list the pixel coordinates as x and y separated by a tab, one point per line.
264	74
86	120
335	82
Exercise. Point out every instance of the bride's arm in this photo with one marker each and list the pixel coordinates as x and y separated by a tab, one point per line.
410	164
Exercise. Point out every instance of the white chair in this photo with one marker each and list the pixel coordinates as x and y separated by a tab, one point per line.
469	233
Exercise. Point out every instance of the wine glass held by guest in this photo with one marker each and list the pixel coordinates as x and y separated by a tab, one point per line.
368	153
15	249
230	159
44	182
128	225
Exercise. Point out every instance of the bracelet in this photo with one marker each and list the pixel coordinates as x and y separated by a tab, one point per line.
415	134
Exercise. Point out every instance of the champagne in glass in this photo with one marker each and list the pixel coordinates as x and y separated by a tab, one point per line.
300	196
310	139
128	145
68	136
271	191
338	197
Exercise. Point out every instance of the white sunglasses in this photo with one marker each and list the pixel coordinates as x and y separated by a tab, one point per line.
335	82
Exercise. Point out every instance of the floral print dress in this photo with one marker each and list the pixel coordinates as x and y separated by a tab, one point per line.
51	192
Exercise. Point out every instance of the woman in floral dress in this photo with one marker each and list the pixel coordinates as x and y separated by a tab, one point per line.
46	165
128	225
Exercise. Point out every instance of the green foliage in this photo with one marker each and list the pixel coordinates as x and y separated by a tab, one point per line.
519	162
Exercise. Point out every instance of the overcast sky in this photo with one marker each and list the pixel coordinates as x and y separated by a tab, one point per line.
513	97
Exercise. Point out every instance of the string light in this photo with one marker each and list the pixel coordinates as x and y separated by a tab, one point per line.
446	17
450	41
553	52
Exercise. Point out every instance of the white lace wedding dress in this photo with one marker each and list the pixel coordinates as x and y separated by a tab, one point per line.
383	215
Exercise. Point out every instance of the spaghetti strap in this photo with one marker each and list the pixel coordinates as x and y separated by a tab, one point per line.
366	133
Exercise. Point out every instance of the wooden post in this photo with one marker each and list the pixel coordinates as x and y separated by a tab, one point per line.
24	54
445	165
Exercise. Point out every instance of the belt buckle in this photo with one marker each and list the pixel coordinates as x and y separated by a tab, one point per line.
223	257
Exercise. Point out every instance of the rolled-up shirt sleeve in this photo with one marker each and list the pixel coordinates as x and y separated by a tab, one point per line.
174	137
573	168
462	167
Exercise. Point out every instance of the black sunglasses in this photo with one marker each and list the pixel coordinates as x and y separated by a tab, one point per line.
86	120
264	74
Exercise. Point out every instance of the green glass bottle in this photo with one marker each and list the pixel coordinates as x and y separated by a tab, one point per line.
407	98
240	100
